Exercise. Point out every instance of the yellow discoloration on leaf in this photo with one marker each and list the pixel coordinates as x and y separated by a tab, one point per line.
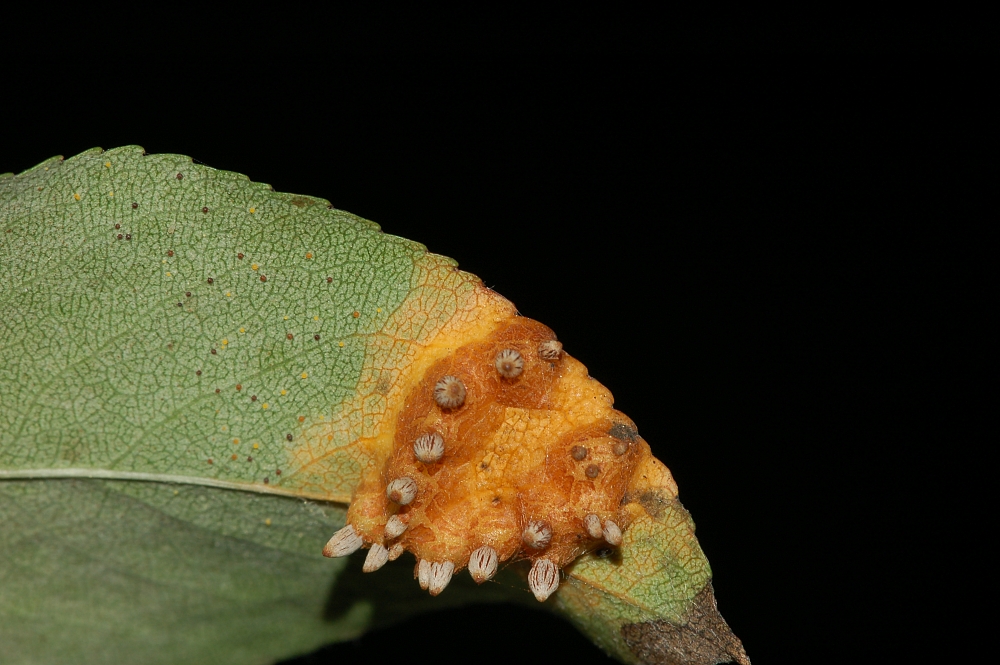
330	460
543	446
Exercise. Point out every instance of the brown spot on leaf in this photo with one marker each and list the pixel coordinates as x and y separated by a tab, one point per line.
134	205
593	471
704	639
653	501
204	209
579	453
623	432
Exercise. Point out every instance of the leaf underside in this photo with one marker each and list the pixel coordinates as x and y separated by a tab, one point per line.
168	327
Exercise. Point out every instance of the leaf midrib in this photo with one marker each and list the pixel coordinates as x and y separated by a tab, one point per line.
108	474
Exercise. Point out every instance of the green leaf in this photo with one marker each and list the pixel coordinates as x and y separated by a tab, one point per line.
651	601
187	360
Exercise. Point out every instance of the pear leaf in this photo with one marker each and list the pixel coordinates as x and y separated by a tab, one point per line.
188	363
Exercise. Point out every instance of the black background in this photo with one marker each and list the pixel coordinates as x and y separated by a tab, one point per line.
749	247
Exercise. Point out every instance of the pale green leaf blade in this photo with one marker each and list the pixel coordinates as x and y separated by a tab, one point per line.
174	338
106	377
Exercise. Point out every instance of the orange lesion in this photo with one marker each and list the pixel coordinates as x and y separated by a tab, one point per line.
508	456
509	448
444	310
